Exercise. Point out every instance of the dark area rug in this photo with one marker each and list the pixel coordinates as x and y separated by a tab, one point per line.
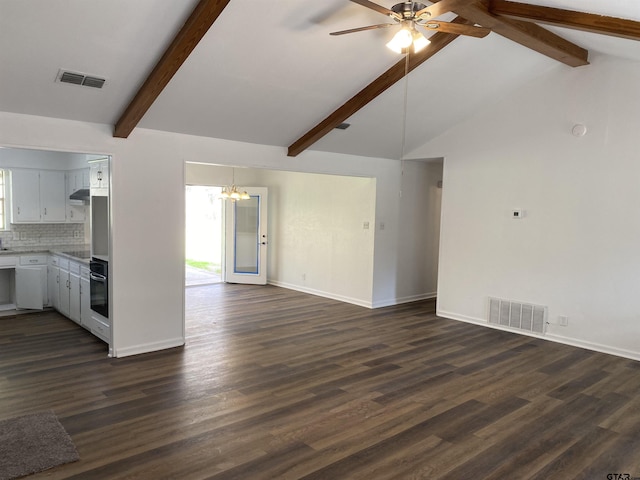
33	443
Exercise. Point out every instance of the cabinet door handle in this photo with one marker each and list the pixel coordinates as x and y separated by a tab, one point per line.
18	210
57	278
45	210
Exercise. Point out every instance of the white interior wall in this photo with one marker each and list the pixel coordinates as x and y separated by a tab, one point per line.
147	210
576	249
318	243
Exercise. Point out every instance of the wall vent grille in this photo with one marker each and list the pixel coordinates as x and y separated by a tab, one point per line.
522	316
76	78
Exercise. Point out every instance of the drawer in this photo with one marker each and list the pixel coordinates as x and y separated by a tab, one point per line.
8	261
99	329
74	267
54	261
63	263
84	272
33	259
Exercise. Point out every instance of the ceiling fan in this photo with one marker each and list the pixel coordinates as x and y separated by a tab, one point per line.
411	15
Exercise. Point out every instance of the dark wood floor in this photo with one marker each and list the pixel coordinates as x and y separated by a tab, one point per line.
276	384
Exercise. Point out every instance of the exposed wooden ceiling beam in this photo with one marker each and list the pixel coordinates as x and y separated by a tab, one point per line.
371	91
588	22
527	34
196	26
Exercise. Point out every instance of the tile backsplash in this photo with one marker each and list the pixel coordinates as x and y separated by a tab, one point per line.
46	234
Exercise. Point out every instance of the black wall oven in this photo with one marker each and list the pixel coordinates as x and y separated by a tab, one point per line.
99	286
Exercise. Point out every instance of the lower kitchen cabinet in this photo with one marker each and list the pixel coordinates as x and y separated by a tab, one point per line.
31	290
74	294
99	327
53	281
64	303
69	289
85	297
69	281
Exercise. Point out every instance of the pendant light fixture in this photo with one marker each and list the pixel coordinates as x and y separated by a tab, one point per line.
231	192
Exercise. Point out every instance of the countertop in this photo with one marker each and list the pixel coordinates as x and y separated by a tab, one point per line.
70	251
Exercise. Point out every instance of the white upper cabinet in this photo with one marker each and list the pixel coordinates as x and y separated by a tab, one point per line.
76	180
99	177
25	196
53	199
38	196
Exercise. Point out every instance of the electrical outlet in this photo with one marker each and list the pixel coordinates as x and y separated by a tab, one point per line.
76	234
563	320
365	225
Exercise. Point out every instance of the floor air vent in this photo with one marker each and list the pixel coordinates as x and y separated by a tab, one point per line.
523	316
77	78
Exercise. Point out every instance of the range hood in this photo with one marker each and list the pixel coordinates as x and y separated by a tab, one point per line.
81	196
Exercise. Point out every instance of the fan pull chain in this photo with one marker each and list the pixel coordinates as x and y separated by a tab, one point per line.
404	118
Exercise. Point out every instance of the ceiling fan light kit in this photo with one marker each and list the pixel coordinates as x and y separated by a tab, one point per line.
407	36
411	15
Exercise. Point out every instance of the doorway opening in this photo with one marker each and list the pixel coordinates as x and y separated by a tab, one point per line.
204	235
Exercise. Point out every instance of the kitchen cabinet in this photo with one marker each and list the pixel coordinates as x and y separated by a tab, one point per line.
99	176
53	199
85	297
31	282
25	196
63	286
76	209
69	280
38	196
74	295
99	328
69	289
53	282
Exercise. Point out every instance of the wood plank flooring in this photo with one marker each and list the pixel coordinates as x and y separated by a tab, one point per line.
276	384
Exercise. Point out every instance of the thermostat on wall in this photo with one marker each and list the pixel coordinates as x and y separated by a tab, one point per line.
517	213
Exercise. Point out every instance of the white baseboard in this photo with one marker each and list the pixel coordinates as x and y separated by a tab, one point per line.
397	301
148	347
596	347
619	352
319	293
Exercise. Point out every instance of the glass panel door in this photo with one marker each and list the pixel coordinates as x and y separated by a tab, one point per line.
246	238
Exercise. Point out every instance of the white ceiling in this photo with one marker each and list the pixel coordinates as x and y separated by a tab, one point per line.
266	72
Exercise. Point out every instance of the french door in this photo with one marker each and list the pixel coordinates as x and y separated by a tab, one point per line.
246	238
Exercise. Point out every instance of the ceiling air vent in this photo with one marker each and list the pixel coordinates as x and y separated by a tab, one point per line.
77	78
343	126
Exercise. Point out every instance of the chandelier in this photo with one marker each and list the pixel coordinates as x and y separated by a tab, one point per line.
231	192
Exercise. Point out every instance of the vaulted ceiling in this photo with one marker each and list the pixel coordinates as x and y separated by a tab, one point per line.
268	72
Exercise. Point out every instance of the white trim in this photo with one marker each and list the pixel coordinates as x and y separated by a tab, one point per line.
550	337
319	293
148	347
619	352
411	298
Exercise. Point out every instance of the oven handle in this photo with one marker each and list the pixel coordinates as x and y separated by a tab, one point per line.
97	277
